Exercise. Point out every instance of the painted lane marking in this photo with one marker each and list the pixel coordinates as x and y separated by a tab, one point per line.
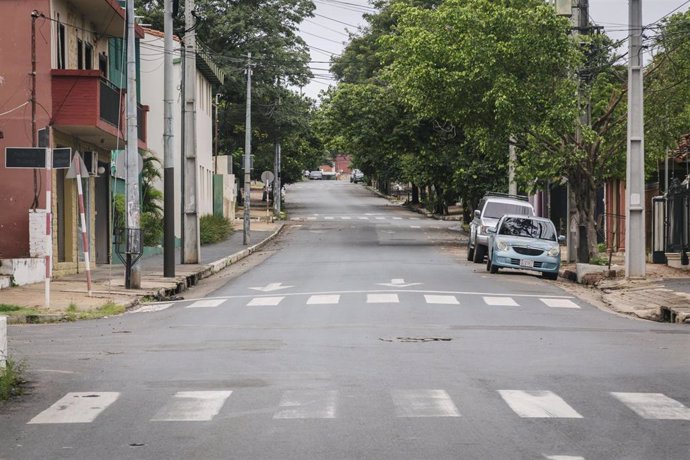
363	218
380	218
296	218
560	303
500	301
414	218
78	407
209	303
270	287
415	226
563	457
423	403
538	404
654	406
265	301
192	406
345	217
398	282
442	299
329	217
382	298
152	308
323	300
311	218
397	218
366	291
301	404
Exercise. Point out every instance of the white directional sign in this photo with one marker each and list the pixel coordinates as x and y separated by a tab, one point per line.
271	287
267	177
398	282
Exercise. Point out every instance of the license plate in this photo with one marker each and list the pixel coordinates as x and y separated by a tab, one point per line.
526	263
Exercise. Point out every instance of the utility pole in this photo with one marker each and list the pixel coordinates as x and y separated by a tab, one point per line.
168	149
512	161
191	216
247	153
276	167
133	230
635	263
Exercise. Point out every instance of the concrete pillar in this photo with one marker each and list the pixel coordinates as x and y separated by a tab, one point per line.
3	341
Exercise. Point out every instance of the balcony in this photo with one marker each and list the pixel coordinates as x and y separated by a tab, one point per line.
88	106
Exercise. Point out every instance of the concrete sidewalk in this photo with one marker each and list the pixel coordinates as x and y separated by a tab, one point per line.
108	280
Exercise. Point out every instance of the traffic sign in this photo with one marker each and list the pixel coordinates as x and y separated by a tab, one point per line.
25	157
267	177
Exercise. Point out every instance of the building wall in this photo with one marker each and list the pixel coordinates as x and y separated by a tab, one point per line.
17	185
204	129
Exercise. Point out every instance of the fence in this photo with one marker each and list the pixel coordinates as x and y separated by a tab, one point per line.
677	218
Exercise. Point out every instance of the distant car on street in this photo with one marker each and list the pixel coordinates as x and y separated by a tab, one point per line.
526	243
356	176
315	175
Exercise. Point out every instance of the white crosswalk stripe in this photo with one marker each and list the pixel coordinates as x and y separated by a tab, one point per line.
415	226
382	298
152	308
302	404
563	457
500	301
329	217
397	218
560	303
655	406
192	406
323	300
206	303
538	404
363	218
345	217
78	407
442	299
265	301
423	403
380	218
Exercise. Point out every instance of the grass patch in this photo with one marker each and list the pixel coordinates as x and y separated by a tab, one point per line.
214	229
16	310
108	309
11	379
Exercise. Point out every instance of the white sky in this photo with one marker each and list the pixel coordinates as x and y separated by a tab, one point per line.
326	33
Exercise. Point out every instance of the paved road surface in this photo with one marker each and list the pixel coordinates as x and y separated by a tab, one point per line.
363	334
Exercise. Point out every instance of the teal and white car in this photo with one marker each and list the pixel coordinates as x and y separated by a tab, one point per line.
525	243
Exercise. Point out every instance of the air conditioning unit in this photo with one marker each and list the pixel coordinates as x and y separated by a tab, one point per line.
564	7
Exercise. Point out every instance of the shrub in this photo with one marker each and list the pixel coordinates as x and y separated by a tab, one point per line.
11	379
214	229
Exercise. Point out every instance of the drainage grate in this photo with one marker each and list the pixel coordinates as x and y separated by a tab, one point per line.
667	315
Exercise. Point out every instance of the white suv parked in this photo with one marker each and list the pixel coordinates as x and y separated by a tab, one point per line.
491	208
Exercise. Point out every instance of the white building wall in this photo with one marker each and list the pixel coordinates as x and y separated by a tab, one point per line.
152	95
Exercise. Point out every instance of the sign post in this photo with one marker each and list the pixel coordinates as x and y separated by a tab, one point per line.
267	177
49	225
76	170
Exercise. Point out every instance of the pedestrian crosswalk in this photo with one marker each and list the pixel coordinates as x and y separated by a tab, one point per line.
383	298
371	217
207	405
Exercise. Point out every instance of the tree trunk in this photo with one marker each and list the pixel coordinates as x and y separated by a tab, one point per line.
415	194
585	198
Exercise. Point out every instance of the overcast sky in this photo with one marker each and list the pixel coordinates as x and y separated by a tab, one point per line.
326	33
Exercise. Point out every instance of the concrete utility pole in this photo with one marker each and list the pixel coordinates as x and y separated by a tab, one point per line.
168	150
276	181
247	153
133	230
635	263
191	215
512	161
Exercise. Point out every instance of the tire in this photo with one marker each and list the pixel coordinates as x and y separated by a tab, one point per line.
470	252
550	276
493	269
479	252
488	263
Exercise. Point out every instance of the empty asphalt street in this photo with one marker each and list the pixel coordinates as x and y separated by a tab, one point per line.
362	332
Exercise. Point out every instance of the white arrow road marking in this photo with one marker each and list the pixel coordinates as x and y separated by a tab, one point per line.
398	282
271	287
538	404
81	407
192	406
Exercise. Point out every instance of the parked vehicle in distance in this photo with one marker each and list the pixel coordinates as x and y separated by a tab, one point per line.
526	243
315	175
356	176
491	208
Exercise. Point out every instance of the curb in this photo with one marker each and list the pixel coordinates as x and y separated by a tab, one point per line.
162	293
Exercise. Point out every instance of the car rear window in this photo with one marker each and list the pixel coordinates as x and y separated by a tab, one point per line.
497	210
515	226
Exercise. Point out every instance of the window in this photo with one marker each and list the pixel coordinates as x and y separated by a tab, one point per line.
80	54
530	228
88	56
60	45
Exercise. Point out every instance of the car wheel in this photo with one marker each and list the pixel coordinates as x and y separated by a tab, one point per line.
470	252
479	252
488	263
492	268
550	276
